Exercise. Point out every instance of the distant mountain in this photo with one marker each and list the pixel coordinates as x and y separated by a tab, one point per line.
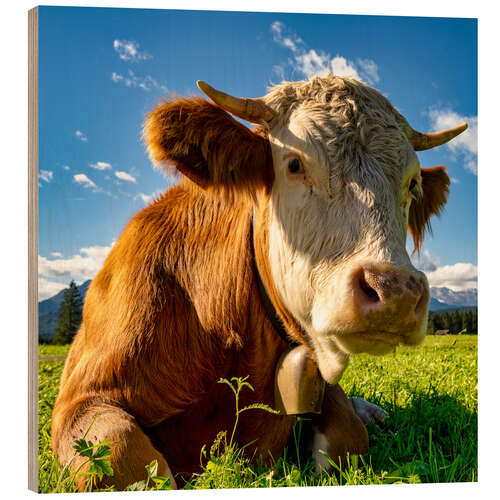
48	311
444	298
436	305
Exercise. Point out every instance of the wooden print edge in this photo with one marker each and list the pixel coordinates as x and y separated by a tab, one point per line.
32	249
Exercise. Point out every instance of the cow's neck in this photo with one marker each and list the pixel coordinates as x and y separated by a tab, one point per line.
281	319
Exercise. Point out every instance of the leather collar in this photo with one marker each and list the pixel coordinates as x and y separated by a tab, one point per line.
266	301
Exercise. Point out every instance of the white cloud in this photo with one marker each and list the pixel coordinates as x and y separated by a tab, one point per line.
463	146
456	277
128	50
342	67
424	261
148	198
80	135
279	70
311	63
116	77
47	289
45	175
55	254
145	83
317	62
88	183
369	67
100	165
84	265
124	176
84	181
459	276
66	167
291	40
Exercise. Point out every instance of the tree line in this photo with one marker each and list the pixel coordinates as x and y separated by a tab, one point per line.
70	317
458	321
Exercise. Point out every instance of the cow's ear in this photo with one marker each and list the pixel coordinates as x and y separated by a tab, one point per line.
208	146
435	187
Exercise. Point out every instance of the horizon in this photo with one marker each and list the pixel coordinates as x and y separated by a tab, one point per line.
101	69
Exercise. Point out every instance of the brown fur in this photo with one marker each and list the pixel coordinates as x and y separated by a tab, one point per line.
343	429
174	308
208	146
131	449
435	187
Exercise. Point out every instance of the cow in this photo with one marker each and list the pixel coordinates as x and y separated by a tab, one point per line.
290	233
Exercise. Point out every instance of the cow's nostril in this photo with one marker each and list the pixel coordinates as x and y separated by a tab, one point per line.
369	292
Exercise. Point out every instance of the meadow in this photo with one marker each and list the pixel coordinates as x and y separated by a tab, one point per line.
429	392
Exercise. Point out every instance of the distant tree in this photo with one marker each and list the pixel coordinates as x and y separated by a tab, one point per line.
467	321
70	315
434	324
455	322
430	326
437	322
474	322
445	320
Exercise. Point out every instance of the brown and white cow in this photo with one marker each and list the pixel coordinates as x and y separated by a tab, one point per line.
315	204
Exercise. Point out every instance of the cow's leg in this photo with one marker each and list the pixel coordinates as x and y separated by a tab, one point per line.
368	412
131	452
338	431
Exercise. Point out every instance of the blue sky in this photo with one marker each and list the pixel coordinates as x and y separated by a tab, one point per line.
101	70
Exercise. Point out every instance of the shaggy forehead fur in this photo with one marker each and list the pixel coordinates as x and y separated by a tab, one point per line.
351	126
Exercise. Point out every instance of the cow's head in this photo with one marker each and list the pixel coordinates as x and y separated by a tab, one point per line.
336	185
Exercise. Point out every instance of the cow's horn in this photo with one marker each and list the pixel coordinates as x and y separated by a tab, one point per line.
253	110
421	141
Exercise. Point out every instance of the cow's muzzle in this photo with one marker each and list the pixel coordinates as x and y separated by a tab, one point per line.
385	291
389	306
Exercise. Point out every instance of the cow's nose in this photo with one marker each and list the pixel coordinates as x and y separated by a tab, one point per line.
392	289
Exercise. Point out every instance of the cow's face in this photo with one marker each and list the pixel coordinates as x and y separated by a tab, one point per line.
343	186
338	216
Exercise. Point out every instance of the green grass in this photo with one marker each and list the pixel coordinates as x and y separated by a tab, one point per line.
49	373
430	393
53	350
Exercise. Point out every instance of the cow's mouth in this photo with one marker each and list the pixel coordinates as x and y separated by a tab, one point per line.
369	342
377	341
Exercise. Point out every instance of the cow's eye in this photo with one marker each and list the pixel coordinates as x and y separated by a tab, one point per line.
294	166
413	185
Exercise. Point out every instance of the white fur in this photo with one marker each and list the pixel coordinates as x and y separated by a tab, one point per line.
320	444
368	412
